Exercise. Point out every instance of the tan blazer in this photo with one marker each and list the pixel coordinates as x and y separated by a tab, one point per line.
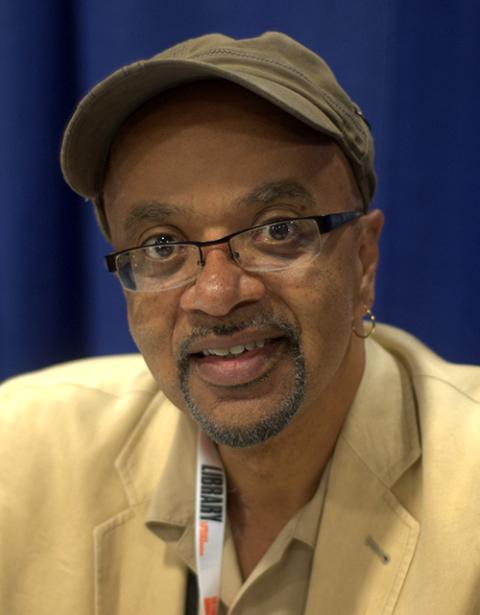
82	447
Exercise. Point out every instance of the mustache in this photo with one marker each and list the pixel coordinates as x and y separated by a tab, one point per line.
273	324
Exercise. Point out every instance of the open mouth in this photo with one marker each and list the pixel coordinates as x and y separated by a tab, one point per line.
239	363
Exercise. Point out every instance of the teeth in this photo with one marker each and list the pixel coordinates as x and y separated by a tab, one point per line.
221	352
237	349
234	350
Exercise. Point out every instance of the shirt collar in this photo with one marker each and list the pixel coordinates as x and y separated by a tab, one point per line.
172	507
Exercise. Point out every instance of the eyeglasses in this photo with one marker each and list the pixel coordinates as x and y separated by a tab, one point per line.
164	263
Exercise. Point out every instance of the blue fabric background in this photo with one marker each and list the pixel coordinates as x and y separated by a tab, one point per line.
413	68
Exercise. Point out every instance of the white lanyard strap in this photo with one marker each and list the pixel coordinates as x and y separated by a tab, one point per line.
210	511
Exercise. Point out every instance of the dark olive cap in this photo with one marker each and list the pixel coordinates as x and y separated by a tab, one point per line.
273	66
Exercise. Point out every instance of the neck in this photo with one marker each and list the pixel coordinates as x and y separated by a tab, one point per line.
277	479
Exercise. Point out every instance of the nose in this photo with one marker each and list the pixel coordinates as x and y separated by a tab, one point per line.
221	285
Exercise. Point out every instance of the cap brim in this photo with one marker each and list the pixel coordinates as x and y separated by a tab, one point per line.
88	136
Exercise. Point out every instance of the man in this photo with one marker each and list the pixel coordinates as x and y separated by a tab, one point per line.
233	180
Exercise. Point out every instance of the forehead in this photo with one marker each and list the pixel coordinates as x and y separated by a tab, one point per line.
194	103
215	142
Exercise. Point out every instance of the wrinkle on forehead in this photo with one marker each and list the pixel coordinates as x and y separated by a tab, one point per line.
273	191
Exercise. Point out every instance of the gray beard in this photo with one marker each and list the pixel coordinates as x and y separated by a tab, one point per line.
267	426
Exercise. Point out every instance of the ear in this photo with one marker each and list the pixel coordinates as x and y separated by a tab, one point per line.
370	230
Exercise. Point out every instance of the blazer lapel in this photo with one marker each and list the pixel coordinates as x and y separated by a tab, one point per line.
365	544
367	538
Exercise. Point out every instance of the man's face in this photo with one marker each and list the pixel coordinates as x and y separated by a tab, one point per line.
246	353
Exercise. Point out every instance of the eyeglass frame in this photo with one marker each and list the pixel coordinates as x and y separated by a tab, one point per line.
325	224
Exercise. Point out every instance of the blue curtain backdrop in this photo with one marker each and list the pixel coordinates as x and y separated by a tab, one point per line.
412	66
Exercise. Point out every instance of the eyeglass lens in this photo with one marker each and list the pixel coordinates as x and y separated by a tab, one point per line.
271	247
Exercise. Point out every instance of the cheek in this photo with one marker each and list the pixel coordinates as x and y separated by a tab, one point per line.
322	301
321	298
151	322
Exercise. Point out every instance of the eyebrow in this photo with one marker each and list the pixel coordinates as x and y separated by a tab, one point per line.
156	212
150	211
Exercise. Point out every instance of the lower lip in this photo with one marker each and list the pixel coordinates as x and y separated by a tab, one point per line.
241	369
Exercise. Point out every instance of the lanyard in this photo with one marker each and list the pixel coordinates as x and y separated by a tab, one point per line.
210	511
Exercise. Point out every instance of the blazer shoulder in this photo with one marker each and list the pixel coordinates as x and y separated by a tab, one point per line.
115	375
427	369
63	428
82	406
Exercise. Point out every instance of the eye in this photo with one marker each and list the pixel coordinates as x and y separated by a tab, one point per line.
159	246
283	237
279	231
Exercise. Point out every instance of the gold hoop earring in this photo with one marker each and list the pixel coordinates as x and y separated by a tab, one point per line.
372	320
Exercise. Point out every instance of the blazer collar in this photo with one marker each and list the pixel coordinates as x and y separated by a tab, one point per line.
161	448
382	425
